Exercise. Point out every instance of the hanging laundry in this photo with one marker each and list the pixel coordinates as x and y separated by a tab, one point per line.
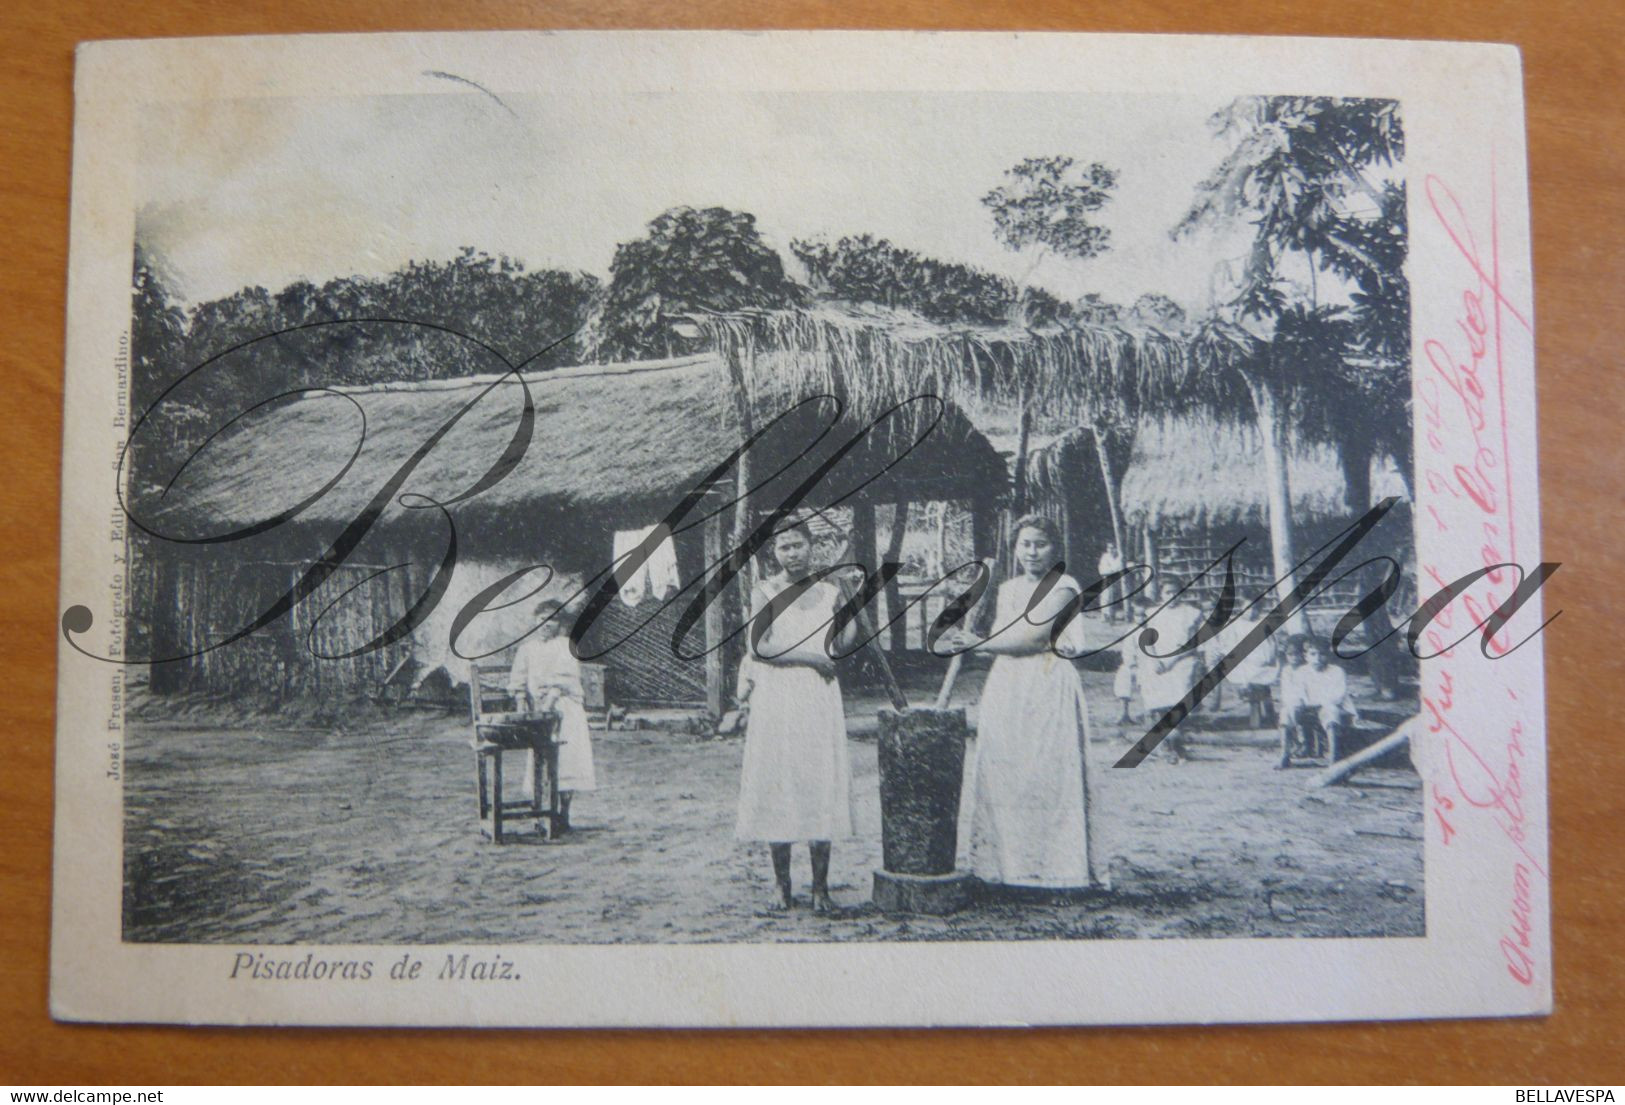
657	575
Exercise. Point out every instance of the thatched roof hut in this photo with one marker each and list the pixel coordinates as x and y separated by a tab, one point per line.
610	448
620	443
1199	472
1062	375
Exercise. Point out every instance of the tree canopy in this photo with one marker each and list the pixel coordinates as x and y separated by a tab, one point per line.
1156	309
1311	175
1046	206
1308	173
269	343
709	259
862	268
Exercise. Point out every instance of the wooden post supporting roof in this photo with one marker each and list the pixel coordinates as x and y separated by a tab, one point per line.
737	597
863	535
716	668
897	633
862	545
984	522
987	536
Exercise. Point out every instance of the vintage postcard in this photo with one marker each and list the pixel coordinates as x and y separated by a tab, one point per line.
667	529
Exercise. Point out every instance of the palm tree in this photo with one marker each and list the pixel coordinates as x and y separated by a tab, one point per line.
1307	173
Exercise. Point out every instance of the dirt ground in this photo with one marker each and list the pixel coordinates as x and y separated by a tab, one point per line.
368	835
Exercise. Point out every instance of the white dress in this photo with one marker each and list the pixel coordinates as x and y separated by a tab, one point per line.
541	666
1166	680
1257	668
1325	691
796	783
1124	682
1030	827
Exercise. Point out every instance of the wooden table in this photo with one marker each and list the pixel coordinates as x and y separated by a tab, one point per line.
1573	60
495	734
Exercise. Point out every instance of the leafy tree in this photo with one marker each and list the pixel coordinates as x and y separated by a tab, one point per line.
866	269
1094	309
690	260
1308	174
1302	170
862	268
1158	310
495	300
1042	309
158	326
1046	209
157	340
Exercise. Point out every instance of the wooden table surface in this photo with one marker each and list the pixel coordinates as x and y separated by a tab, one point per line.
1573	61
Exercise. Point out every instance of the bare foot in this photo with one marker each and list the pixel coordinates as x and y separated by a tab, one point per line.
821	902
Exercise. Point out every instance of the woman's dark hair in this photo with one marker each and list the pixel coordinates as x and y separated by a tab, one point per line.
1038	522
794	524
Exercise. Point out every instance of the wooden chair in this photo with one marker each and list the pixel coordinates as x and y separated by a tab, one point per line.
500	726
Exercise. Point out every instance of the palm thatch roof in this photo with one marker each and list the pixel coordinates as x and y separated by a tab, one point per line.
625	440
1065	375
1197	471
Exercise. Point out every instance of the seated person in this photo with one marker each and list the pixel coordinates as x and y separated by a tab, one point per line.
1316	710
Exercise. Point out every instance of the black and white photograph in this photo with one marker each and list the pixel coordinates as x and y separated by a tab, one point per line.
710	512
1150	334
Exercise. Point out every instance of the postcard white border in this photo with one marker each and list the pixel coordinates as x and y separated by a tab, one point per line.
1463	113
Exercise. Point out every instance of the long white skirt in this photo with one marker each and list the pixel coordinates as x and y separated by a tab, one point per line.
1162	690
1029	827
575	750
796	783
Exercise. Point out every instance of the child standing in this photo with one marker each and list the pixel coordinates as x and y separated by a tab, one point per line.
546	679
1124	683
1111	562
1165	679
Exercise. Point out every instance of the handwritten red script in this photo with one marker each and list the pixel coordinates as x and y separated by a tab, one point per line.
1466	495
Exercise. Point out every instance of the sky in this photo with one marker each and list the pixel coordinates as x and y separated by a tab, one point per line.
268	191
